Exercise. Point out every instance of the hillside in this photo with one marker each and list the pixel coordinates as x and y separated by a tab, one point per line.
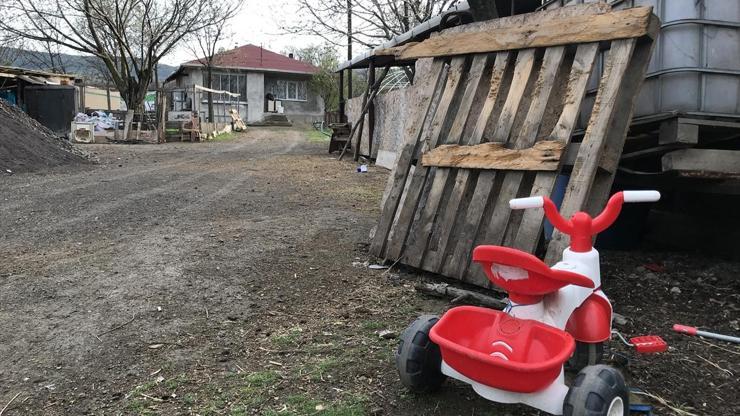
84	66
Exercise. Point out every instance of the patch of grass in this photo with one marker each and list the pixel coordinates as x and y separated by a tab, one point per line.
261	378
224	137
315	136
287	338
188	399
324	368
373	325
136	404
302	404
175	382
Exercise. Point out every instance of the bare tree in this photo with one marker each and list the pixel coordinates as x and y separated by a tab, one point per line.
374	21
10	44
128	36
205	43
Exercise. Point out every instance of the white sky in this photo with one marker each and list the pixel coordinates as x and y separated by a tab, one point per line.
259	23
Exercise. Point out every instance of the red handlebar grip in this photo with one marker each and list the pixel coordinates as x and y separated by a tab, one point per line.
684	329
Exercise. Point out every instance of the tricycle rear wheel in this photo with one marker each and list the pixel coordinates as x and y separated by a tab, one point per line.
418	359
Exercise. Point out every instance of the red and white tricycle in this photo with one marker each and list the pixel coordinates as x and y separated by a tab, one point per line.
517	355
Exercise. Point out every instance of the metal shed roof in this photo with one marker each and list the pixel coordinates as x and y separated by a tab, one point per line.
417	33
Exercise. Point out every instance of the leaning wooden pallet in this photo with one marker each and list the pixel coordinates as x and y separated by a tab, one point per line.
502	105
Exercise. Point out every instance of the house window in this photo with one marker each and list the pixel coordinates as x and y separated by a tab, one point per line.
234	83
287	90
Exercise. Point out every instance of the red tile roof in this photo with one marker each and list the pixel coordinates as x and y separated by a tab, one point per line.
254	57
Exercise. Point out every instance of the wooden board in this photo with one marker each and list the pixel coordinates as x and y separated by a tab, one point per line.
544	155
623	24
496	127
703	160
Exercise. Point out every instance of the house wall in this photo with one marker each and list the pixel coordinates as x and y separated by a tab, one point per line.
255	96
303	111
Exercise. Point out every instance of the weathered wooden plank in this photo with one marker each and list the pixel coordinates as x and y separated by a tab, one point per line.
702	160
397	238
629	23
588	159
617	133
532	219
511	186
481	196
519	20
397	178
544	155
433	261
423	224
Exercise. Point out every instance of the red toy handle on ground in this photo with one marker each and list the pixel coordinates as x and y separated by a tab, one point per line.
690	330
685	329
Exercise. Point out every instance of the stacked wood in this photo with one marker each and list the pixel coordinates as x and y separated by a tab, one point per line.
496	124
236	121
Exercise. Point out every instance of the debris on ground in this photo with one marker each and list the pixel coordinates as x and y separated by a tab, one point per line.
27	146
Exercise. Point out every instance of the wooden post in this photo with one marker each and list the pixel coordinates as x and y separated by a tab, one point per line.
371	111
342	117
107	94
161	133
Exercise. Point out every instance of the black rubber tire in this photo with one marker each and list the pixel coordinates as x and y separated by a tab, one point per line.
418	359
594	390
586	354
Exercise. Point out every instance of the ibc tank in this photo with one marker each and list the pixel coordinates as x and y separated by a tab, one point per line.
695	66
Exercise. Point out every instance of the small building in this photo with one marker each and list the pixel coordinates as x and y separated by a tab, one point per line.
267	83
52	99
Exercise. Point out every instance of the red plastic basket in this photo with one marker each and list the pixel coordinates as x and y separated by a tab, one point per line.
501	351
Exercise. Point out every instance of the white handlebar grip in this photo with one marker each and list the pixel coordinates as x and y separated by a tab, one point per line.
523	203
641	196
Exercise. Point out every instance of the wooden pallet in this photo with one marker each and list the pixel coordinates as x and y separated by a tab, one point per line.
517	82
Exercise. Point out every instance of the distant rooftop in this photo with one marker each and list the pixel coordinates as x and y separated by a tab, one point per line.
257	58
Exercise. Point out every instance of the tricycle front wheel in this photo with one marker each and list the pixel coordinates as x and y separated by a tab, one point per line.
598	390
418	359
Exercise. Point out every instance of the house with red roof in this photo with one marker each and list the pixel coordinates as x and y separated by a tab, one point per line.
266	83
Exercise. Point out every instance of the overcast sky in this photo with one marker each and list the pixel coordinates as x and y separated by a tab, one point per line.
259	23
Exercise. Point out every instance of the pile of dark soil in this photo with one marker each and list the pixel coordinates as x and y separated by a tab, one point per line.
27	146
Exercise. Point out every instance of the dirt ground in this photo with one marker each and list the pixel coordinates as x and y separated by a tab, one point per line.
230	277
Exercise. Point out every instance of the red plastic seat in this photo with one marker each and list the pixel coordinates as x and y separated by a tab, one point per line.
501	351
523	275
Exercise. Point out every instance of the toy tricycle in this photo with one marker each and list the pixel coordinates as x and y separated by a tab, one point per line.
518	355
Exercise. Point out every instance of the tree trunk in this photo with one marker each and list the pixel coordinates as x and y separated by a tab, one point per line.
127	123
209	81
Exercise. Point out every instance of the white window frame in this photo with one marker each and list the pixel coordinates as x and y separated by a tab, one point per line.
296	83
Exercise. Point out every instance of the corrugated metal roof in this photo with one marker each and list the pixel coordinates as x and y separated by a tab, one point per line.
418	32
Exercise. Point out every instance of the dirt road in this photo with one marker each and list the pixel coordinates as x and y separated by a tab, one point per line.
213	278
169	279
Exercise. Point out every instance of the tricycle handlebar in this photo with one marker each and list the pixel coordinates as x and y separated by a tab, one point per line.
530	202
581	227
641	196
